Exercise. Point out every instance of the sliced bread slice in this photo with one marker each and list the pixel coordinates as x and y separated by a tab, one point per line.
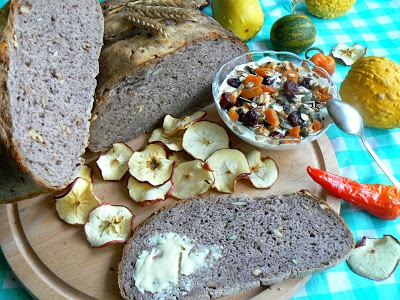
248	242
143	77
48	67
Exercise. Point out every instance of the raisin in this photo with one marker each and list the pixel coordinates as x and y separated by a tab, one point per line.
290	88
295	119
226	102
276	134
307	82
250	118
268	80
234	82
241	116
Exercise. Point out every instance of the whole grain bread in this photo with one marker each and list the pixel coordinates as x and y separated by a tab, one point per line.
48	67
143	77
264	240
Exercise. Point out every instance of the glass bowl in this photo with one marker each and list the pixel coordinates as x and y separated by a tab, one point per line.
261	140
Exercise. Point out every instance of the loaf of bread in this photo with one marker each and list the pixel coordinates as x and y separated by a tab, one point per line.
218	245
48	67
143	77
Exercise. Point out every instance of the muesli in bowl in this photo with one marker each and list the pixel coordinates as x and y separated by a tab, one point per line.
273	100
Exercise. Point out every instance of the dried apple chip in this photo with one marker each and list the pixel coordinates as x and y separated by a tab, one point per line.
85	172
204	138
375	258
228	166
151	165
143	192
113	164
180	157
172	142
264	170
74	206
191	179
172	125
109	224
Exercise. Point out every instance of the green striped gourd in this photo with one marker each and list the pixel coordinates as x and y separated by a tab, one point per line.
294	33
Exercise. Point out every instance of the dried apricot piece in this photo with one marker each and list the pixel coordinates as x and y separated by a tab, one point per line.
264	72
251	92
317	125
291	75
268	89
232	113
271	117
252	81
294	132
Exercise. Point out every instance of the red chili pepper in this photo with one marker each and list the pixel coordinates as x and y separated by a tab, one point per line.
319	59
383	201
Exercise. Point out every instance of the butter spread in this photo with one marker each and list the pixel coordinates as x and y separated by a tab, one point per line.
172	256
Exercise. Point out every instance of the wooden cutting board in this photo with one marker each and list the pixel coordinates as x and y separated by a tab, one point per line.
54	260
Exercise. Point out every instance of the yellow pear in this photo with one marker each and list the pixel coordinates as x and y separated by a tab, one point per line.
243	17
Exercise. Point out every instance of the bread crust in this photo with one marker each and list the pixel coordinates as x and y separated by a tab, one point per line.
125	56
128	59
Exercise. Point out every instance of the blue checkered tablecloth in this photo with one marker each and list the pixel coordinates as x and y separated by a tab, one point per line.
376	25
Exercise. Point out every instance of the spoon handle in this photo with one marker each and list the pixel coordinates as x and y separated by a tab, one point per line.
380	163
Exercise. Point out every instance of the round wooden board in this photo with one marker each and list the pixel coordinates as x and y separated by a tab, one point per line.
55	261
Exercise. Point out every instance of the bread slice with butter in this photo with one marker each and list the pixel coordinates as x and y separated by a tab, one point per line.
218	245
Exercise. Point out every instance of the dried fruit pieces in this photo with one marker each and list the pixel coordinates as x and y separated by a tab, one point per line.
171	125
228	166
191	179
349	55
375	258
172	142
264	170
113	164
109	224
143	192
289	95
74	206
204	138
151	165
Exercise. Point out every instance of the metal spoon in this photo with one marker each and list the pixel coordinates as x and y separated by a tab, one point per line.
349	120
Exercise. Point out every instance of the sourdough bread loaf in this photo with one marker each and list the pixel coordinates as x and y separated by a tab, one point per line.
143	77
48	67
261	240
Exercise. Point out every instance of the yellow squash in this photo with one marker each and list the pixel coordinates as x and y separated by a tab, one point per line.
326	9
372	86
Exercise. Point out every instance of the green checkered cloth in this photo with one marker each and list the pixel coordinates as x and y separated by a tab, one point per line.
376	25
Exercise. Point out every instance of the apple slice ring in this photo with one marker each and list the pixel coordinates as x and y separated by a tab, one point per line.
145	193
191	179
204	138
172	142
74	206
171	125
109	224
151	165
228	165
375	258
113	164
264	170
